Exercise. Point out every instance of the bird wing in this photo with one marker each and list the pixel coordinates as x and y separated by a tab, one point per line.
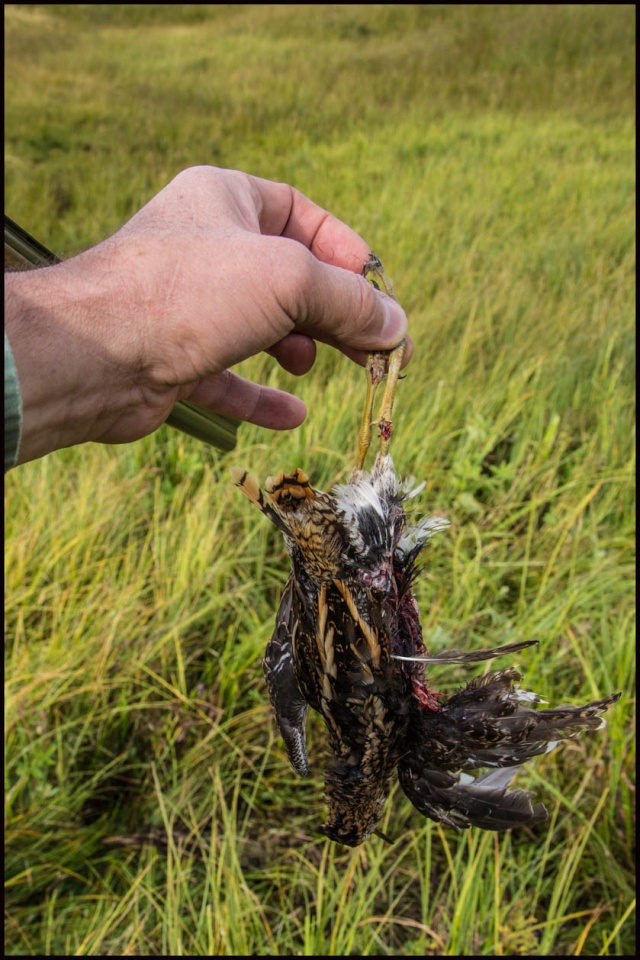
490	723
459	800
289	705
470	656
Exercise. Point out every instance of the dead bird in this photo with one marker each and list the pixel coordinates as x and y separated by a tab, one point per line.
348	643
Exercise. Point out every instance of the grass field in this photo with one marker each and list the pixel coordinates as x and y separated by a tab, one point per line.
487	152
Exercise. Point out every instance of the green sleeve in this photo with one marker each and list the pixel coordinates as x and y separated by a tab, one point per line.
12	409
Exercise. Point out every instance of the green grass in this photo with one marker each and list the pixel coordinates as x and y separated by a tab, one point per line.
487	152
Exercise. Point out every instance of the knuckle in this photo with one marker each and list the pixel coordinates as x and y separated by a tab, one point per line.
197	173
292	266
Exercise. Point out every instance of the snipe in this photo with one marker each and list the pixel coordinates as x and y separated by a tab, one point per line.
348	644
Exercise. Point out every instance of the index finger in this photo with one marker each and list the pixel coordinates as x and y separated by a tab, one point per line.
286	212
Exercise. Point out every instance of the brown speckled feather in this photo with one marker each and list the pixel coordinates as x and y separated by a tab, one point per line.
348	643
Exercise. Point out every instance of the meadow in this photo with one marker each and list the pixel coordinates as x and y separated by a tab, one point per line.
487	153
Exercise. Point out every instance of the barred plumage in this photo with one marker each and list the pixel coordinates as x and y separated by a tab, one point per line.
348	643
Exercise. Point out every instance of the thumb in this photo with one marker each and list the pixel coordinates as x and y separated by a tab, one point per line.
338	306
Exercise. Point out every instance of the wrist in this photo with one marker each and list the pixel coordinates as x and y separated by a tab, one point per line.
53	319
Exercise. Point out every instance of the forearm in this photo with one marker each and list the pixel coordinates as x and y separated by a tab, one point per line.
54	320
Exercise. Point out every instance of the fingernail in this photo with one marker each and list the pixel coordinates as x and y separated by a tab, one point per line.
395	324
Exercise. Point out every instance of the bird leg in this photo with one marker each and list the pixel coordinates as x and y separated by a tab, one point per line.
381	365
384	421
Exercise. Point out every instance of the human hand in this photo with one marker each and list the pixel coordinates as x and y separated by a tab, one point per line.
217	267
